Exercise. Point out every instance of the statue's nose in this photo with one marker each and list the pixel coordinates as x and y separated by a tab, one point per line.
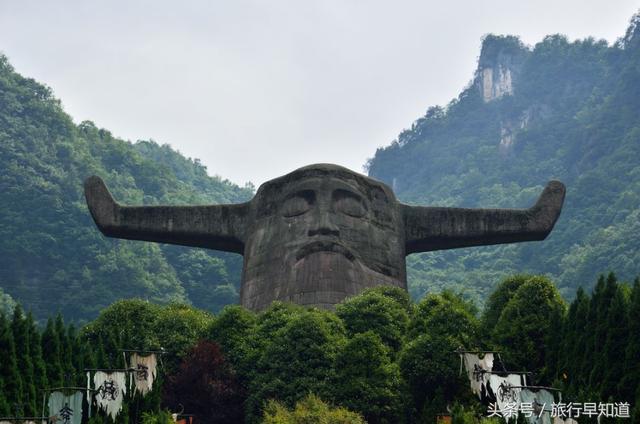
325	226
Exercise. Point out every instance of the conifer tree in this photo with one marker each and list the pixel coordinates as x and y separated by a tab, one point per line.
39	367
20	331
4	404
568	336
630	382
615	346
590	342
602	309
88	355
78	356
101	359
65	349
71	354
576	342
11	382
51	355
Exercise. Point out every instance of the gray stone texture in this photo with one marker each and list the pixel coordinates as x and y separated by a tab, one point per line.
322	233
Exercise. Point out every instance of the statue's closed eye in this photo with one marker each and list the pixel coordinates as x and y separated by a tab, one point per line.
349	204
298	204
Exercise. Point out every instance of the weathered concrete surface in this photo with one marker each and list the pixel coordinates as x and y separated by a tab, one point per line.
322	232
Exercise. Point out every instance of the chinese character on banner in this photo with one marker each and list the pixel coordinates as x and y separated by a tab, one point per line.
145	371
66	413
65	408
108	390
142	372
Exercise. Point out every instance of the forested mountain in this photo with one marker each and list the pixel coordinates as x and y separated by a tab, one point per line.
52	258
558	110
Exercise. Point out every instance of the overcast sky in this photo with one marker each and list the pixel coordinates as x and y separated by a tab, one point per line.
256	89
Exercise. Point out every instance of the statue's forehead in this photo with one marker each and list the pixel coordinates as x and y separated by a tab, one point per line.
271	194
324	183
275	189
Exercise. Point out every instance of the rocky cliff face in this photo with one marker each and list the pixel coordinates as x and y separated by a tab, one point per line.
499	66
510	127
495	83
567	110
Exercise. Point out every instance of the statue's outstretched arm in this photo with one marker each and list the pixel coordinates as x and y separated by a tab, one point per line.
435	228
219	227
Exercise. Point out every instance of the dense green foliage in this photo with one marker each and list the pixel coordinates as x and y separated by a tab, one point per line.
261	367
34	359
574	115
530	320
310	410
52	258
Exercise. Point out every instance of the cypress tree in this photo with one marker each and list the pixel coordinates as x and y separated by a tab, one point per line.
89	361
101	360
111	348
4	404
39	367
65	349
630	383
20	331
72	358
570	333
602	310
589	337
77	356
88	355
599	311
51	355
12	384
615	346
577	345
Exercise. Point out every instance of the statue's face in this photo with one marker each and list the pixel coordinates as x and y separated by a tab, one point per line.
320	238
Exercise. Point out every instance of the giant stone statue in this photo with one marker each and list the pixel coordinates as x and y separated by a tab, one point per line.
322	232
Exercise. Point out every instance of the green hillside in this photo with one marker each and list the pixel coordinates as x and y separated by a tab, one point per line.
558	110
52	258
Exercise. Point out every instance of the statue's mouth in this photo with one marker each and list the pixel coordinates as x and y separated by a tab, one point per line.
324	246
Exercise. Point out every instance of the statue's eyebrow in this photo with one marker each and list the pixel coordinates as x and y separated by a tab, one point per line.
348	187
307	184
351	193
315	184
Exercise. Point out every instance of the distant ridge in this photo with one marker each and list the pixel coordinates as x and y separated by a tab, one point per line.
560	110
52	258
